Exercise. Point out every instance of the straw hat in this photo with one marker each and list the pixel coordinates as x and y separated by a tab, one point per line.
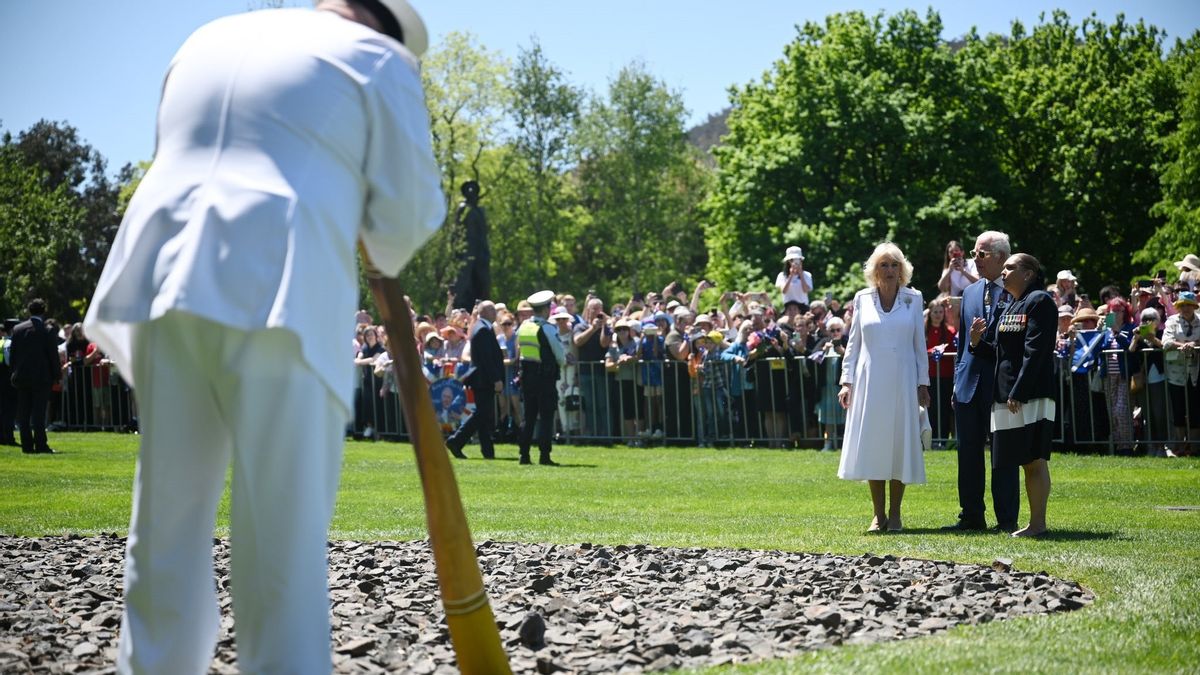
1086	314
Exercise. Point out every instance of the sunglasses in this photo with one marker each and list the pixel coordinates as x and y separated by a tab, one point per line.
980	254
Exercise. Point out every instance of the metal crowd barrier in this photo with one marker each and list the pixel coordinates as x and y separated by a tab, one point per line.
772	402
92	398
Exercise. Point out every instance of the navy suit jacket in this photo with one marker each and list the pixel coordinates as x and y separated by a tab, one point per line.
487	359
1023	350
974	374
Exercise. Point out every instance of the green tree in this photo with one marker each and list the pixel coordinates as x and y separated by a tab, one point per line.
1086	107
533	205
871	129
1180	204
36	230
641	184
63	187
866	130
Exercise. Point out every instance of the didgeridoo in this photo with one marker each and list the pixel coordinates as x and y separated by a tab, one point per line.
473	631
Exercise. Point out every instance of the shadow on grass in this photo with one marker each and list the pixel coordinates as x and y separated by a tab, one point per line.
558	465
1076	535
1050	535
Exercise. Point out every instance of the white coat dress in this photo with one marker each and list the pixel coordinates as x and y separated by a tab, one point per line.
885	362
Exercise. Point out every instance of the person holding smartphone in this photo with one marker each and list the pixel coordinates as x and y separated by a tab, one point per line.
957	271
794	282
1114	369
1147	384
592	338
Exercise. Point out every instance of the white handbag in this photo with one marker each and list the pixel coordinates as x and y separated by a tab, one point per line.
926	429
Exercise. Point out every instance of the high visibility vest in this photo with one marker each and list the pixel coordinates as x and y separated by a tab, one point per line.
527	341
4	342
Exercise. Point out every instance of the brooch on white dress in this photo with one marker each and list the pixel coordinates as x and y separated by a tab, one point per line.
907	301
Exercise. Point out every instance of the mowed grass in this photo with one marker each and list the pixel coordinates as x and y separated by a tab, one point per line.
1112	532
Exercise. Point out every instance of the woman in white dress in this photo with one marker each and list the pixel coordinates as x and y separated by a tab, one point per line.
885	377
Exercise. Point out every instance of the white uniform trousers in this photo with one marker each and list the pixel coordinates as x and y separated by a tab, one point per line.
209	393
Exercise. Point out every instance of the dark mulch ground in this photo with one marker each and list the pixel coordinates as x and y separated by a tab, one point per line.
579	608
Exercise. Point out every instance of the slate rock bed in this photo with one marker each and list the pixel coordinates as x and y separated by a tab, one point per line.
579	608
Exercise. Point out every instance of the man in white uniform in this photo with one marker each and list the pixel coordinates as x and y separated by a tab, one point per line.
284	136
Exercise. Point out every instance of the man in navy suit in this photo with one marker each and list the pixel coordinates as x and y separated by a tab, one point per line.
974	382
486	380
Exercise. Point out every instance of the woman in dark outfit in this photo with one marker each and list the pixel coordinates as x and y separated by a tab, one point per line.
1022	337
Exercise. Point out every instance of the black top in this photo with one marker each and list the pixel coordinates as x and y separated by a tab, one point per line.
33	354
591	350
1022	338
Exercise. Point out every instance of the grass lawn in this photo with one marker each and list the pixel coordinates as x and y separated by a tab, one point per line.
1111	532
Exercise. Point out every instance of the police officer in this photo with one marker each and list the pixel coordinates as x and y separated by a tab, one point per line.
8	393
541	356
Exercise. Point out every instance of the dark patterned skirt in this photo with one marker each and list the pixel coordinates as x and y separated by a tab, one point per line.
1020	439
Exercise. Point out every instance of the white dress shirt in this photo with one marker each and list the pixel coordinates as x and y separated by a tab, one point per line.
283	138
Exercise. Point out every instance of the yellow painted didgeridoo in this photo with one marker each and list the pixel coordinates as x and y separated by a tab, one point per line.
472	625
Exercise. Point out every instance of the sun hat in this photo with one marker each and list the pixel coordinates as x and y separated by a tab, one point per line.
793	253
1190	261
1065	275
1066	310
1086	314
560	313
662	316
1186	298
703	318
433	336
412	29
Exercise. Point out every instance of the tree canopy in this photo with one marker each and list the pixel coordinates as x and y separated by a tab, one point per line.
873	128
1079	139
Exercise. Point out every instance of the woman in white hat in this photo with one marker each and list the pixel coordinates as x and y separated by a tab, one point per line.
1065	282
1189	271
793	281
1181	354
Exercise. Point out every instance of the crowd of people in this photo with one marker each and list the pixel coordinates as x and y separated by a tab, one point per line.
661	367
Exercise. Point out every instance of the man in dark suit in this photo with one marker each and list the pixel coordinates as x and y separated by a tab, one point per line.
486	380
974	380
34	361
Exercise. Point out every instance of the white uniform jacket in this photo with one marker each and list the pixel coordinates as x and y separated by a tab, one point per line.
283	137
